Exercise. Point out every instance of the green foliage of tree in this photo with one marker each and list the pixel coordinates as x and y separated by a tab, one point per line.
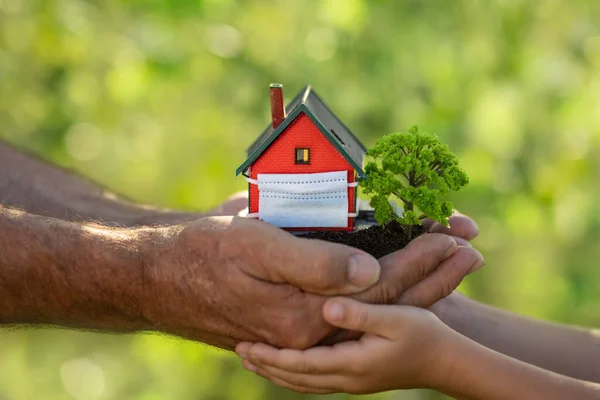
416	168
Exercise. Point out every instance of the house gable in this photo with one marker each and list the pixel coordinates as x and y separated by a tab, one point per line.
301	133
279	158
302	108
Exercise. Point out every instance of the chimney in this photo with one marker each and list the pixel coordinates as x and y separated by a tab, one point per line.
277	107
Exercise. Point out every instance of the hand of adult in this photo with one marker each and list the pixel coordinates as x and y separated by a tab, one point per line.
223	280
219	279
452	308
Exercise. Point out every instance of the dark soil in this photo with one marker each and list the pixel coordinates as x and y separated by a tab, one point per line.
375	240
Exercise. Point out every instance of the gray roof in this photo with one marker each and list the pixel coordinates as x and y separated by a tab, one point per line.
309	102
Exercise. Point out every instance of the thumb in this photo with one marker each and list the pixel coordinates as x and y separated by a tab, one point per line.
353	315
328	268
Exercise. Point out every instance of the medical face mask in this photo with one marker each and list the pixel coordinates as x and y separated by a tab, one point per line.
304	200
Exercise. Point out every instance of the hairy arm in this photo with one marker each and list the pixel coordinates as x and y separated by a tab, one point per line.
219	280
565	350
60	273
43	189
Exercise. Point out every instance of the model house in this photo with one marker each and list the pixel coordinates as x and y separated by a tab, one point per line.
302	170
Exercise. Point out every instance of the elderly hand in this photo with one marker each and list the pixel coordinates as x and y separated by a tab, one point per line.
222	280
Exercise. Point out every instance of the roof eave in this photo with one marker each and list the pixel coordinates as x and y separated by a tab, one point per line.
260	149
290	118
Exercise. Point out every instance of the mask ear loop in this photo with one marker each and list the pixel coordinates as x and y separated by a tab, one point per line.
255	182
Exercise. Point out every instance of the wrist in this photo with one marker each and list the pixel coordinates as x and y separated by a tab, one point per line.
442	361
456	311
170	280
155	262
183	292
119	265
450	369
105	280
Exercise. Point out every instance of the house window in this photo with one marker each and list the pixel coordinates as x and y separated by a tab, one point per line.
302	156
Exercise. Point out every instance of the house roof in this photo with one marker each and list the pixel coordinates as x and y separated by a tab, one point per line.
309	103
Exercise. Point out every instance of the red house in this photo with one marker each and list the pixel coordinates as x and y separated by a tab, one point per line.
303	169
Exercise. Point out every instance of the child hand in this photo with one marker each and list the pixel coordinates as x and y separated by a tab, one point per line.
403	348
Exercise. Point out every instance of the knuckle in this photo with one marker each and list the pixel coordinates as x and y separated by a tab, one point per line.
359	318
422	266
387	292
305	368
323	270
446	289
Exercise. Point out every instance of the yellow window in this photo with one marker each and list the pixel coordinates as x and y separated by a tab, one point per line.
302	156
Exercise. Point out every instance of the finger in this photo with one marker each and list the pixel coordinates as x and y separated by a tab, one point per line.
314	382
441	282
400	271
317	360
280	382
233	204
404	268
462	242
346	313
263	372
327	268
315	266
460	225
242	349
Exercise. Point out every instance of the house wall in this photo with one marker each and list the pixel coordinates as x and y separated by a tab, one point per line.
279	158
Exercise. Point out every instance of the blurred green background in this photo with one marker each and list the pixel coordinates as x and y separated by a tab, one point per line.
158	99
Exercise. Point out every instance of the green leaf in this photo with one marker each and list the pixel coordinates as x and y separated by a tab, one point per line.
416	168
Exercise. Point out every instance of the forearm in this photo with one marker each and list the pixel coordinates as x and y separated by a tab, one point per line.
565	350
60	273
54	272
43	189
480	373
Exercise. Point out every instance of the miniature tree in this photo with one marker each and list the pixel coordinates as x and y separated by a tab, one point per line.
416	168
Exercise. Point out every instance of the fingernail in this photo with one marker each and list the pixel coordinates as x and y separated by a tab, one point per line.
477	265
335	311
363	270
244	356
451	249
